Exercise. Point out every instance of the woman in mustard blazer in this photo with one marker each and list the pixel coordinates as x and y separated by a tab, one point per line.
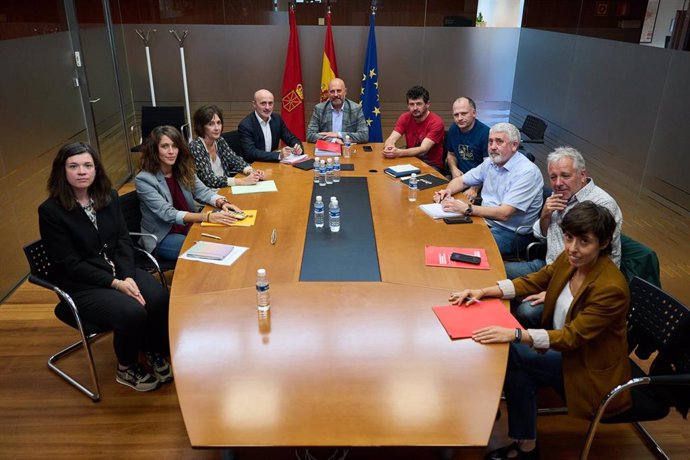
582	350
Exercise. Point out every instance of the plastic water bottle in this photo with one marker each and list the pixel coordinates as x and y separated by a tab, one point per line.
412	184
316	170
319	214
263	295
329	171
334	215
336	170
322	173
348	144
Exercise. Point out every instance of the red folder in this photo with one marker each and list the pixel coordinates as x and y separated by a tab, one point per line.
460	321
439	256
327	148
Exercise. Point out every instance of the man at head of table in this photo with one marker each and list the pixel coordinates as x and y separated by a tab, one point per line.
512	190
423	131
338	117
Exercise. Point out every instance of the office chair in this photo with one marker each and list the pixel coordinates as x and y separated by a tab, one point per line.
131	210
151	117
537	248
233	140
534	129
656	322
639	260
66	311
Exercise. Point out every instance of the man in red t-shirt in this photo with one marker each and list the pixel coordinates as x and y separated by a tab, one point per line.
423	131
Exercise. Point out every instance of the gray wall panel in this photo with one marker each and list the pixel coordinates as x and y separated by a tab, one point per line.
37	97
476	62
543	73
617	102
227	63
613	96
669	154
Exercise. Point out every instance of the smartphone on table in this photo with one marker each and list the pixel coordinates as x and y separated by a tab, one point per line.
459	257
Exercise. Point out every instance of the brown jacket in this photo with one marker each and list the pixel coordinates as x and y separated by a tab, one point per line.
593	339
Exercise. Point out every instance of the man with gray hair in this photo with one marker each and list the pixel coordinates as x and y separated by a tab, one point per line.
568	177
511	190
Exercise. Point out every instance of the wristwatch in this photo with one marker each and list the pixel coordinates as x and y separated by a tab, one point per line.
518	335
468	211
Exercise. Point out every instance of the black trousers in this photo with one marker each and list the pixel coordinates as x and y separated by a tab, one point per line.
135	327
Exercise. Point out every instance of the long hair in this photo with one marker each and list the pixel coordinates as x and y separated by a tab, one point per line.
203	115
183	170
60	190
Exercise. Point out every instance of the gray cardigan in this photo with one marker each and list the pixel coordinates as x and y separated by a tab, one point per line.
157	212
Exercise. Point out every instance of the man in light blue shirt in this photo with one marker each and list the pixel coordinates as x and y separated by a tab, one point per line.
511	190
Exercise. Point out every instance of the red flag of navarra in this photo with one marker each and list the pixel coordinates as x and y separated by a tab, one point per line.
293	95
329	68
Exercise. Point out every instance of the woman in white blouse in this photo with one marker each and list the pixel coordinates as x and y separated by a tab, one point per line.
582	349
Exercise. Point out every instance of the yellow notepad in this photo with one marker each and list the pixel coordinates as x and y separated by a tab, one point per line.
246	222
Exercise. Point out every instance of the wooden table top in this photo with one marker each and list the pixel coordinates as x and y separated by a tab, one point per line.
344	364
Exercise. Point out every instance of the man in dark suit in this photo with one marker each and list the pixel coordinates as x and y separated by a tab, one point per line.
261	131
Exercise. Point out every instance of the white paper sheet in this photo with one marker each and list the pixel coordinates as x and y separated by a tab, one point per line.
435	211
259	187
227	261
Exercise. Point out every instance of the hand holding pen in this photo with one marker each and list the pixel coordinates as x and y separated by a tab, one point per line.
441	195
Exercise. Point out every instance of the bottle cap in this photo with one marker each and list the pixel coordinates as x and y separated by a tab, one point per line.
318	198
330	160
334	198
323	162
261	272
414	174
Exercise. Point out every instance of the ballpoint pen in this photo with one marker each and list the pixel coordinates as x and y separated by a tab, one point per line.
208	235
274	236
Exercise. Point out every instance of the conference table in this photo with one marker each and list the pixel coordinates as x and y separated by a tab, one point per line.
333	363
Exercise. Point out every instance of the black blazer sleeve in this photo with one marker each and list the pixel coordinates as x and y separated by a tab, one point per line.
253	141
75	246
280	131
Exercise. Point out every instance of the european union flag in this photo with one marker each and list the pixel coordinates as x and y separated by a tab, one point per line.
369	96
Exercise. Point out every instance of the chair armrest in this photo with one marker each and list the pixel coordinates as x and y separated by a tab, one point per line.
678	379
37	280
534	246
149	257
145	235
524	230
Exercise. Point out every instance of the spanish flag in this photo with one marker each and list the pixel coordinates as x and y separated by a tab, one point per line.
329	68
292	101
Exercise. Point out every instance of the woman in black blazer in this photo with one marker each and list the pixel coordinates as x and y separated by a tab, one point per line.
86	237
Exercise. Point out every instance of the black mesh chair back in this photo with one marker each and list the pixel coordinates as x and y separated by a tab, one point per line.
656	323
534	128
131	210
152	117
66	311
233	140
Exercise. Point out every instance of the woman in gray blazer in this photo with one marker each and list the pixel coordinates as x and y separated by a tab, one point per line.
167	187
